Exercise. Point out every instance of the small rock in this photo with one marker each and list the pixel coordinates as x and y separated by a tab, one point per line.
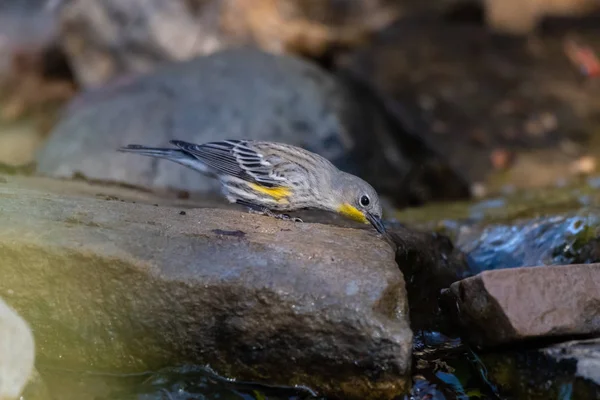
255	298
508	305
17	353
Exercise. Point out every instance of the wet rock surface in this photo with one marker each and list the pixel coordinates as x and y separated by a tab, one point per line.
241	94
567	370
585	354
549	226
538	228
17	353
510	305
429	262
550	240
116	286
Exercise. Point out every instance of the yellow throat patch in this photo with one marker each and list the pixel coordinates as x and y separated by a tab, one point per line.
278	193
352	212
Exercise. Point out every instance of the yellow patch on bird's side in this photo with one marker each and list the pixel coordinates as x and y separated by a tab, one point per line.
278	193
352	213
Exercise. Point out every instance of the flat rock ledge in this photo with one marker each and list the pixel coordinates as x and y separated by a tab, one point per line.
507	305
122	287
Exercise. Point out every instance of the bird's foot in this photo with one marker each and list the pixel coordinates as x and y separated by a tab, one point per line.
284	217
255	209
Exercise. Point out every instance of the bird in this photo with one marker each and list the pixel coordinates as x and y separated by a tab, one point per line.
272	178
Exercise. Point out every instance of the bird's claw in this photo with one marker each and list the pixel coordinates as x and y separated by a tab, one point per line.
284	217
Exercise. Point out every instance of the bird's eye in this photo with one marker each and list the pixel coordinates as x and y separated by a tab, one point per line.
364	200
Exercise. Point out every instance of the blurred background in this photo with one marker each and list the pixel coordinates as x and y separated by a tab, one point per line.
429	100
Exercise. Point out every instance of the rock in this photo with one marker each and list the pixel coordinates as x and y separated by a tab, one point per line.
143	287
101	44
569	238
564	370
508	305
429	262
17	350
237	94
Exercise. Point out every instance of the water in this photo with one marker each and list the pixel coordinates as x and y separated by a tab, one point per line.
178	383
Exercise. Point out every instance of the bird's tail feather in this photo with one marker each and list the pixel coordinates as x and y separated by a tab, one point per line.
176	155
171	154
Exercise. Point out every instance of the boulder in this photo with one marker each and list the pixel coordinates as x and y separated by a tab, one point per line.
508	305
17	352
120	287
237	94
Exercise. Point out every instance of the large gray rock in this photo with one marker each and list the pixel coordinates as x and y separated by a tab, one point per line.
130	287
17	352
235	94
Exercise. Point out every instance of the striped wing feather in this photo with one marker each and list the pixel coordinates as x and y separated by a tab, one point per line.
235	158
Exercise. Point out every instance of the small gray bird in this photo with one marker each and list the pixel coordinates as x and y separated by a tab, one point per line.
268	176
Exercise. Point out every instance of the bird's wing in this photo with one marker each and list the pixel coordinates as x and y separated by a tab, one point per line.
235	158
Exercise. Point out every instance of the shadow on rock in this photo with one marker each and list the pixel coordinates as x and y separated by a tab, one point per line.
430	263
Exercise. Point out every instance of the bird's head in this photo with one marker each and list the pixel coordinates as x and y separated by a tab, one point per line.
357	200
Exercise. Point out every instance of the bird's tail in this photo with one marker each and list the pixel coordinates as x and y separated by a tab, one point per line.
170	154
176	155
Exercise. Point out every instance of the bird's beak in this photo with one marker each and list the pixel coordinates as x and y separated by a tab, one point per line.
376	222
